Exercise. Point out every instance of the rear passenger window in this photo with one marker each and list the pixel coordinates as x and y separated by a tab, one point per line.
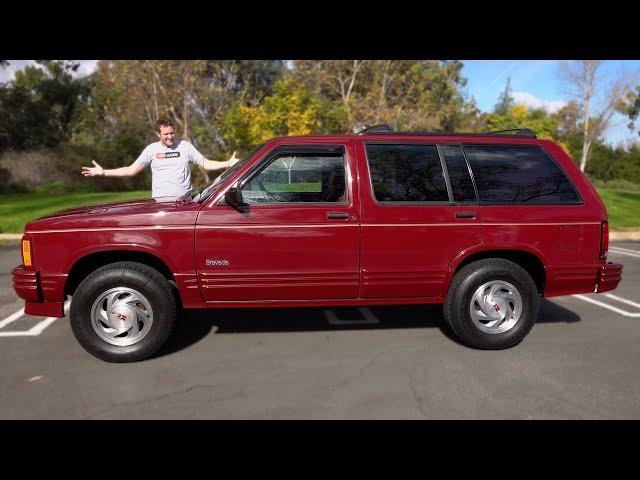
518	174
406	173
461	184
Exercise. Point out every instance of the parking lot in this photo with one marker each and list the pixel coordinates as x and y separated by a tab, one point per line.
579	362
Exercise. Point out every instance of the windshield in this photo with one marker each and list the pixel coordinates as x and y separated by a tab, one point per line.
206	193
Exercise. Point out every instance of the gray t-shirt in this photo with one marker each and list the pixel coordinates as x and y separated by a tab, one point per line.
170	169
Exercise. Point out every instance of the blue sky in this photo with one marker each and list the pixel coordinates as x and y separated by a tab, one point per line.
533	83
536	83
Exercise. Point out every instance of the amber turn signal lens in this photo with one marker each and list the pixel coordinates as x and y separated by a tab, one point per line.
26	253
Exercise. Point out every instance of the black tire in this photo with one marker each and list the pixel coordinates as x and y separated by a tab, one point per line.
139	277
457	313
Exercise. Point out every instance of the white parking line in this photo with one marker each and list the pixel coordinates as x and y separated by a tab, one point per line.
33	331
12	318
607	306
624	252
369	318
623	300
630	250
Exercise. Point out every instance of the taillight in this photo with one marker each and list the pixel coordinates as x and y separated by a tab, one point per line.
604	239
27	252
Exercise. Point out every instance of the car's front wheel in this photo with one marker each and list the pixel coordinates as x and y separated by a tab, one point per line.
123	312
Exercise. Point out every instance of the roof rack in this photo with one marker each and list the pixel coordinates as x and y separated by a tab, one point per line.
386	129
380	128
516	132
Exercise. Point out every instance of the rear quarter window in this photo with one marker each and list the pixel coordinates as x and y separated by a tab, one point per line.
515	174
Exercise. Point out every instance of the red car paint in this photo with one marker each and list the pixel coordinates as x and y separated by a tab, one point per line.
294	255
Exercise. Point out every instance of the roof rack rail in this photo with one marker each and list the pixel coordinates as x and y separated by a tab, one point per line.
386	129
381	128
516	132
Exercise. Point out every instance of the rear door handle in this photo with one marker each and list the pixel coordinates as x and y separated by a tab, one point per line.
465	214
338	215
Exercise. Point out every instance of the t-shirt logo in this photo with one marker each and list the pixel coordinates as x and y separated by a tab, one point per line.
160	156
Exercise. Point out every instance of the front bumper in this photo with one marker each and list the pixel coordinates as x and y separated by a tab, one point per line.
28	285
609	277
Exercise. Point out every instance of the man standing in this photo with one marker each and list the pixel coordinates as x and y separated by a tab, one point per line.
169	159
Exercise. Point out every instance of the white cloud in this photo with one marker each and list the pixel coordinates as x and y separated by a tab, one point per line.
531	101
8	73
86	67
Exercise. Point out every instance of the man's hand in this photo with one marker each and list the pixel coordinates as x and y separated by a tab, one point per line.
96	171
233	159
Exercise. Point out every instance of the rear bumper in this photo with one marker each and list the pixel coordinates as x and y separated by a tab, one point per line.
609	277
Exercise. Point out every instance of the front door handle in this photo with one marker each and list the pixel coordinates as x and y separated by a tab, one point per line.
341	215
465	214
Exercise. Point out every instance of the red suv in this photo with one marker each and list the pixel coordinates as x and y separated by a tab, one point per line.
485	224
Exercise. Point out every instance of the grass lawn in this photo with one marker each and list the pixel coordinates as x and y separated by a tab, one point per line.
16	210
623	206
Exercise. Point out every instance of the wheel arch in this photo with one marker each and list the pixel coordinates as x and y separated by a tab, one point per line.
86	264
530	260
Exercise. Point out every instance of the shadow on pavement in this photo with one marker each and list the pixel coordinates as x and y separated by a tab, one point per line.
194	325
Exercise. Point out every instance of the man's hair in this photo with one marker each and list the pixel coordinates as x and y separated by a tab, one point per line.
163	122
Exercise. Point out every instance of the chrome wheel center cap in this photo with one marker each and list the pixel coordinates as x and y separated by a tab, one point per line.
497	308
122	318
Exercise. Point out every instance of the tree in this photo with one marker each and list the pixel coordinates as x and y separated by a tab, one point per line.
38	106
505	100
406	94
584	83
291	110
630	106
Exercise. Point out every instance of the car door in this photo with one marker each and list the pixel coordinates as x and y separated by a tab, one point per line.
417	216
297	238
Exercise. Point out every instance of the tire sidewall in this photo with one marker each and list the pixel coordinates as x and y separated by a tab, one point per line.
112	276
472	277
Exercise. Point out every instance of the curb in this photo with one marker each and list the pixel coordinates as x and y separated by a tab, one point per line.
630	235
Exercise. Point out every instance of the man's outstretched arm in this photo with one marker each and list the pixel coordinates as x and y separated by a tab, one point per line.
212	165
97	171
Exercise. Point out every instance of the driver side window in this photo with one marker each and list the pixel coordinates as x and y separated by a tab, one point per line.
298	178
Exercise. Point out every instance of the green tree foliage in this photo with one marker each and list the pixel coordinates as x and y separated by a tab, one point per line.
631	107
291	110
519	116
406	94
38	106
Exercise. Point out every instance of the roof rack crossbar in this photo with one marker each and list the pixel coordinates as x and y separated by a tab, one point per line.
380	128
516	132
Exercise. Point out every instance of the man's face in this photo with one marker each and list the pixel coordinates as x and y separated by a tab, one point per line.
167	135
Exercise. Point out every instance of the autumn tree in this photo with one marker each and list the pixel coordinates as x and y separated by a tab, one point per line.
596	99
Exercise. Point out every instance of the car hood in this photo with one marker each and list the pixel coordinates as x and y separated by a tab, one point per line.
115	207
119	214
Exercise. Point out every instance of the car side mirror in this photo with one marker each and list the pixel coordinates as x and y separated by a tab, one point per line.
233	197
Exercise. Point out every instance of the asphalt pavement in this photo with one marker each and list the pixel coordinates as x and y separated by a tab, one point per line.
579	362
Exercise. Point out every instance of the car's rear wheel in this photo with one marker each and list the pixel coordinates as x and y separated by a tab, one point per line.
123	312
492	304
